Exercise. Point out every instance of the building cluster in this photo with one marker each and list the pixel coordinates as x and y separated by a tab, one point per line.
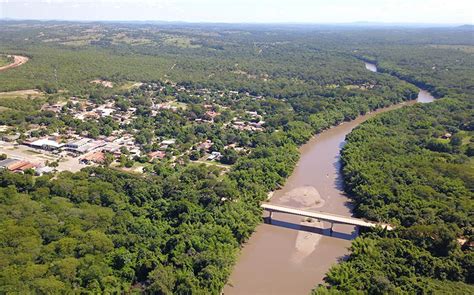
21	166
206	148
255	123
89	149
86	110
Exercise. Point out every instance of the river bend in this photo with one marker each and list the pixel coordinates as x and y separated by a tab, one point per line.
278	259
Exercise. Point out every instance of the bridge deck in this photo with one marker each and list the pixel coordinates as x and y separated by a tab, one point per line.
333	218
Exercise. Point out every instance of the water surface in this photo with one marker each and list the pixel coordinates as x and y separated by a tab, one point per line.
291	256
423	96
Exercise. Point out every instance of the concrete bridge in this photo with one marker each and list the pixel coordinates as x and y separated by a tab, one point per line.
331	218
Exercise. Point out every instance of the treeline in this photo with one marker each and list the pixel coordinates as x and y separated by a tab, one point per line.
280	64
176	231
106	231
413	168
443	70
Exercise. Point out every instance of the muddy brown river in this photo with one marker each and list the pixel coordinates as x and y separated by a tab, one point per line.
292	255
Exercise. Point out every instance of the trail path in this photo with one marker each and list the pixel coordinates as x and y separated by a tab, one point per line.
18	61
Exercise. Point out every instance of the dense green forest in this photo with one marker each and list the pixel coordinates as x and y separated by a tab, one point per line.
400	167
100	230
413	168
441	70
278	61
177	228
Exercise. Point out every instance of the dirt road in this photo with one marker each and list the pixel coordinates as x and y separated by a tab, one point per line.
18	61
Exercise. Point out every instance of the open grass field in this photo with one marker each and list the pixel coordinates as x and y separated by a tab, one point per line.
130	85
29	93
464	48
25	100
180	41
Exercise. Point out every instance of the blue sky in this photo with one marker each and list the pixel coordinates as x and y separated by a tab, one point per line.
255	11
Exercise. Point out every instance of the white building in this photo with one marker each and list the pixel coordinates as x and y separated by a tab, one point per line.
45	144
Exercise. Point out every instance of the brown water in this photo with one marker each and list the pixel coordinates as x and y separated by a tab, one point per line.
423	96
291	256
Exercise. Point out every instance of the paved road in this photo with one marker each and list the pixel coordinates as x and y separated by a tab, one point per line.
324	216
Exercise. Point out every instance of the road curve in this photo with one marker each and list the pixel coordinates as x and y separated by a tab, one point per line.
18	60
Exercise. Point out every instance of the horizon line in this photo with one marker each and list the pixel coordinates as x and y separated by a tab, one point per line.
241	23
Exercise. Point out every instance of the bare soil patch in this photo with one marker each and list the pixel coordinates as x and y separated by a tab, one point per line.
18	60
104	83
21	93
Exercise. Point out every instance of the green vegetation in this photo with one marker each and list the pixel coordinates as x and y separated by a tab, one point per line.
441	71
177	228
58	68
5	60
101	231
413	167
252	60
424	154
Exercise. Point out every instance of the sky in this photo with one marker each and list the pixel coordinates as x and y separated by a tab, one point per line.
246	11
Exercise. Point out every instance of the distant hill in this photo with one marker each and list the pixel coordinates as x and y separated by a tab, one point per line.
466	27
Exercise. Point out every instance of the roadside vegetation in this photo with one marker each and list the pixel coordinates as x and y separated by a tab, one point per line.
5	60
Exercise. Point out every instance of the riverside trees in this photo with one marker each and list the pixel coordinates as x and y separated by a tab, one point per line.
177	228
395	171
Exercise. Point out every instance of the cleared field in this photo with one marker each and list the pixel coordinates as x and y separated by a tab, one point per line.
29	93
23	100
179	41
130	85
124	38
107	84
464	48
82	40
179	105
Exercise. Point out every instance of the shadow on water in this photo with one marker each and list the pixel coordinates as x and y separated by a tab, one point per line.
311	229
339	181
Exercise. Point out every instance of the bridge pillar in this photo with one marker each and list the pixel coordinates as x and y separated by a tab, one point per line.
331	229
270	217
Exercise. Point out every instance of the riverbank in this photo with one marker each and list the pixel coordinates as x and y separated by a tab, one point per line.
424	96
292	255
